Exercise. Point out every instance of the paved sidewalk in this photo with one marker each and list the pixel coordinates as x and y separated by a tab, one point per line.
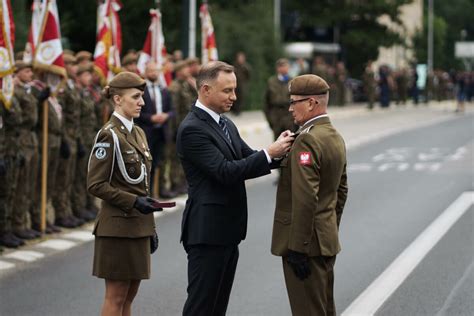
357	124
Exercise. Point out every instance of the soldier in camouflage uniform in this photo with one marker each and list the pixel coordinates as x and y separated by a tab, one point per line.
183	96
370	84
13	160
8	118
341	77
28	142
81	200
277	100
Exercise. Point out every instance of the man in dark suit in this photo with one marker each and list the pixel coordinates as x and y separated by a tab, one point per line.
217	162
153	120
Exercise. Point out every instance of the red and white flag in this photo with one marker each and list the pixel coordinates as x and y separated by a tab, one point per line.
37	13
208	38
7	60
109	40
154	48
48	52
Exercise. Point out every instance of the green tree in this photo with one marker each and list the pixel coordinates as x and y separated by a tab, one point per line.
361	32
420	45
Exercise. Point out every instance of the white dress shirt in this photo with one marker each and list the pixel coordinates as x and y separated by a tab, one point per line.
128	124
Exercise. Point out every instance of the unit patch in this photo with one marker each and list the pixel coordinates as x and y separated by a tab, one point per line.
304	158
100	153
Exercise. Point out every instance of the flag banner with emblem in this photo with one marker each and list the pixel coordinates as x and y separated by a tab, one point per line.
109	40
37	12
7	41
208	40
48	53
154	48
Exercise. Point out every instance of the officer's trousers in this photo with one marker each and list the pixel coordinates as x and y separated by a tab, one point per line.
64	181
79	194
314	296
13	173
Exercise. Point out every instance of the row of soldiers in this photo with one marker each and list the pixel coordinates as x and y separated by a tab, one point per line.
75	113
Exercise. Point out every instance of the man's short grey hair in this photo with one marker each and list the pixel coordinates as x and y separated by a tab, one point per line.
210	72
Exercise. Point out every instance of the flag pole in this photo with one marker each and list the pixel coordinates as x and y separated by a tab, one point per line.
44	167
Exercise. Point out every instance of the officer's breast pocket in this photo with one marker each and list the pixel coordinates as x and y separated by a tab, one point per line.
132	163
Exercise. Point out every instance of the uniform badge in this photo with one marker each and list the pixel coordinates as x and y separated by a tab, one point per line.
100	153
147	154
305	158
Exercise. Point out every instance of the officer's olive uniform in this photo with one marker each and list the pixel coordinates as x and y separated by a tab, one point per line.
3	173
70	99
183	96
81	200
311	194
14	159
28	172
341	76
122	244
54	141
370	86
277	101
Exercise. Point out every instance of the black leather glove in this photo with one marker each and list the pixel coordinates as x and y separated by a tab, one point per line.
144	205
299	263
3	167
43	95
64	150
81	151
154	242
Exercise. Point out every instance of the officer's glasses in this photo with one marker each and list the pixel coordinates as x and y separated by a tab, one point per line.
293	102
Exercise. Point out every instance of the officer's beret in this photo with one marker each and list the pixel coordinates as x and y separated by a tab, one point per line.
20	65
308	85
84	68
192	60
281	62
69	59
180	65
83	55
130	58
68	52
126	80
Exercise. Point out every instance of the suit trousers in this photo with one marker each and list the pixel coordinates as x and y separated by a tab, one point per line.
211	270
313	296
157	143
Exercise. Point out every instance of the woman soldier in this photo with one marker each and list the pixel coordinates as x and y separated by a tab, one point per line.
119	167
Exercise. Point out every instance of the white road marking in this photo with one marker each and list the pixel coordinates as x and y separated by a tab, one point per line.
359	167
25	255
429	166
79	235
369	301
400	166
6	265
57	244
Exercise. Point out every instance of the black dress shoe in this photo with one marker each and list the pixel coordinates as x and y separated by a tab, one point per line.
76	220
85	215
53	228
34	232
65	222
9	242
24	234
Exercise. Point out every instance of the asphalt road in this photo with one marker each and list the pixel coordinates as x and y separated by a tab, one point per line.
397	187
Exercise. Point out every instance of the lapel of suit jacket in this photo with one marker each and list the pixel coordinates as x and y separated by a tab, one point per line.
234	136
210	121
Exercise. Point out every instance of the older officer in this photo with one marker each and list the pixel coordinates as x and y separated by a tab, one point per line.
311	195
119	167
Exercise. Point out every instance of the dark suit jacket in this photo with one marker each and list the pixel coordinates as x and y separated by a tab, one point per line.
149	109
216	170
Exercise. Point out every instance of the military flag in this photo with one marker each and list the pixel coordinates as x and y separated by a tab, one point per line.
109	40
208	38
154	48
7	40
48	52
37	12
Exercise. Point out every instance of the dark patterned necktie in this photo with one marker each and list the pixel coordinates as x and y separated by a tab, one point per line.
223	125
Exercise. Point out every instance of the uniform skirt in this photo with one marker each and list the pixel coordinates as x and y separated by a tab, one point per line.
117	258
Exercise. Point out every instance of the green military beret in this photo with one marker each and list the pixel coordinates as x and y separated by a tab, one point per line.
192	60
130	58
126	80
180	65
69	59
83	55
308	85
20	65
84	68
282	62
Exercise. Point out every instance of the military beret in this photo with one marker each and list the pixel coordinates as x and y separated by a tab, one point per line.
130	58
20	65
281	62
180	65
308	85
126	80
68	52
84	68
69	59
19	55
192	60
83	55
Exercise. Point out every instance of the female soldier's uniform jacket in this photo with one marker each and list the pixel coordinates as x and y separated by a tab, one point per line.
119	168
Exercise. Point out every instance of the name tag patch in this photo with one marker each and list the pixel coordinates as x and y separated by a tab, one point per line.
304	158
106	145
